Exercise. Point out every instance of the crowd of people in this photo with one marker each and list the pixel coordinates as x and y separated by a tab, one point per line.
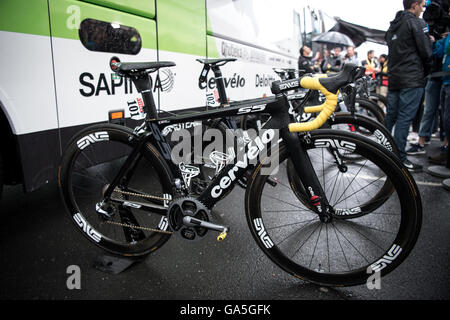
331	61
414	77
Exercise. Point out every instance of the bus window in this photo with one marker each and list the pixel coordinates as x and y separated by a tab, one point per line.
266	24
103	36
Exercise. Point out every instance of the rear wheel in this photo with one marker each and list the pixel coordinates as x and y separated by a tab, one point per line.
134	221
341	252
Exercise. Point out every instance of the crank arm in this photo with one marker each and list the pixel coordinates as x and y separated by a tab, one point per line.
272	181
194	222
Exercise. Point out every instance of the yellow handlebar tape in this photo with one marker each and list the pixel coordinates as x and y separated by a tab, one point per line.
326	109
313	109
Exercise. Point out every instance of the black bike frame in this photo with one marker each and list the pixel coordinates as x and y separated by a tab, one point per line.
277	106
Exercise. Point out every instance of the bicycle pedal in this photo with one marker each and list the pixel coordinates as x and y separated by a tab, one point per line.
222	236
194	222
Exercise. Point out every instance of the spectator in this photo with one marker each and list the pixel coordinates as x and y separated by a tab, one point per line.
317	60
305	64
327	54
409	62
431	109
382	88
440	49
351	57
371	64
334	62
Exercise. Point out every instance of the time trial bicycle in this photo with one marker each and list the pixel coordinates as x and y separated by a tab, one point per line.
124	193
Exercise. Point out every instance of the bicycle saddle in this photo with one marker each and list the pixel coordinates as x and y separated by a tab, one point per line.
216	62
142	66
283	70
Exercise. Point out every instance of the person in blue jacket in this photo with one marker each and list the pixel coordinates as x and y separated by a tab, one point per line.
441	49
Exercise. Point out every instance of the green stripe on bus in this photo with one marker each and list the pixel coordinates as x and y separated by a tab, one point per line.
24	16
213	51
181	26
139	7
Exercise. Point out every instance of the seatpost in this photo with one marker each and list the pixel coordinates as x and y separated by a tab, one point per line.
220	84
223	99
144	87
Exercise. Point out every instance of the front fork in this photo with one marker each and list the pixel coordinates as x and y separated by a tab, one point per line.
307	175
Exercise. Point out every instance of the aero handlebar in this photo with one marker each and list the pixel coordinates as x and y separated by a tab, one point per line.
328	86
326	109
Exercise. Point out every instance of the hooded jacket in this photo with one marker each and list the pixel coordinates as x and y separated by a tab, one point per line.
305	65
441	50
410	51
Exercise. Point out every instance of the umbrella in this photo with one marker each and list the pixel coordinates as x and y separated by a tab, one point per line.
359	34
334	38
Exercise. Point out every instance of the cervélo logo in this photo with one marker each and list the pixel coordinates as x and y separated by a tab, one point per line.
254	149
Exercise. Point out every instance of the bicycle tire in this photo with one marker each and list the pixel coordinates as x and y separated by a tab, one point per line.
365	125
391	246
370	108
379	99
91	160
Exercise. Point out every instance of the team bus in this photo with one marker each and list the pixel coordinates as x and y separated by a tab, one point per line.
55	76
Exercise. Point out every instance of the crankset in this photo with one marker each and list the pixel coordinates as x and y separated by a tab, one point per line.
189	218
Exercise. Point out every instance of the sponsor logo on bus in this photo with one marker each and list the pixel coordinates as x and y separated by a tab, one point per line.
111	84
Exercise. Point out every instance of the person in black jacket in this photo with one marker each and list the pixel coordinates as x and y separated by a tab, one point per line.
409	63
305	64
333	63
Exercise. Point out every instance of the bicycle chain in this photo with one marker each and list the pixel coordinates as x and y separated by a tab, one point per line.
136	227
143	195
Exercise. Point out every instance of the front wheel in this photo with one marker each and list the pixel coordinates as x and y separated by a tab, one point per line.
341	252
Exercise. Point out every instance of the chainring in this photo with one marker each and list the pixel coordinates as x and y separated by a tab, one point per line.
187	206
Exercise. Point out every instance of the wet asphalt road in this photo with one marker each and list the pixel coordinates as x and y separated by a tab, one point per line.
38	243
